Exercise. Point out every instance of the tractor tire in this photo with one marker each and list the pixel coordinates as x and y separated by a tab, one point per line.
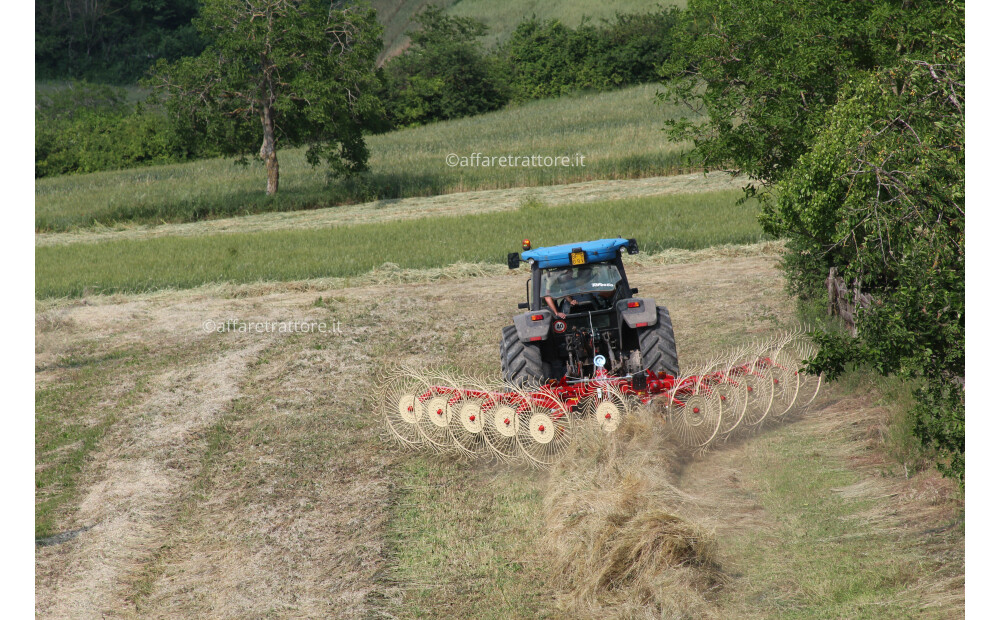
521	362
657	345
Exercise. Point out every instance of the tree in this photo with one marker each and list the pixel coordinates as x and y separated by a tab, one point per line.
765	73
111	40
444	74
303	69
850	116
881	196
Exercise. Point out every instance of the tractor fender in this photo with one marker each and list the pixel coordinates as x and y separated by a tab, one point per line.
533	331
643	316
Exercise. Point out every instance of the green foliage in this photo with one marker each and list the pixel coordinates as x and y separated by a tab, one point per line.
307	66
852	114
87	128
111	40
691	221
444	74
881	196
766	72
549	59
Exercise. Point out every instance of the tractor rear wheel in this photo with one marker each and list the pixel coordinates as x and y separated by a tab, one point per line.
657	345
521	362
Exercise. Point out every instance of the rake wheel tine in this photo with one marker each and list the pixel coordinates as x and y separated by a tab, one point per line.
395	400
502	423
546	429
466	420
435	424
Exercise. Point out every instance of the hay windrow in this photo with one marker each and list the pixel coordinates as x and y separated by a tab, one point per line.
617	548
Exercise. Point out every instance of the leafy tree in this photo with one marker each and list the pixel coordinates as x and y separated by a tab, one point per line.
765	73
303	69
549	59
85	128
444	74
850	115
881	196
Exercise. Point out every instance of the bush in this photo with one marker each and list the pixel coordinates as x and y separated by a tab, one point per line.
444	74
549	59
87	128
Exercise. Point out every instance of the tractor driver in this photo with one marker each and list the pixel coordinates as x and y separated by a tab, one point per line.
568	281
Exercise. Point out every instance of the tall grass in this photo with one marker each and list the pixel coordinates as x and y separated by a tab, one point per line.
618	133
660	222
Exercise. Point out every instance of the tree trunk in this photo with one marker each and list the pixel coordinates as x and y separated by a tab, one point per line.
267	150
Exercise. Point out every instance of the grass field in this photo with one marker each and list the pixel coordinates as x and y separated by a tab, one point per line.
618	133
681	221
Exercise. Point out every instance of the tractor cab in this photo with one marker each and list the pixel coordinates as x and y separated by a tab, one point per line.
583	316
581	288
593	268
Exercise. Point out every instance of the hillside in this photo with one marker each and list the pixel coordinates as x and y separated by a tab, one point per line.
501	17
617	135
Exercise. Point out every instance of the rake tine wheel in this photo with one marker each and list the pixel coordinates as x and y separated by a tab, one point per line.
695	413
606	408
783	372
760	393
546	428
732	397
435	422
501	422
803	349
396	400
468	419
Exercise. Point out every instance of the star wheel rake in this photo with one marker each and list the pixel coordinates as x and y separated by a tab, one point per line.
607	407
434	423
783	372
468	420
801	349
695	413
759	390
546	428
396	399
502	410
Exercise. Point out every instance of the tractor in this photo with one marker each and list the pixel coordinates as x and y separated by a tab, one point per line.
589	351
583	317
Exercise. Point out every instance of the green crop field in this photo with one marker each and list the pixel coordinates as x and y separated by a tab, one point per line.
680	221
617	133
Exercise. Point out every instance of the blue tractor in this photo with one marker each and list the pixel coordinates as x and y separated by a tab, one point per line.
583	318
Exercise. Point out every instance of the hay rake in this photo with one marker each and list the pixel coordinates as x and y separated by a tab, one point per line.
480	417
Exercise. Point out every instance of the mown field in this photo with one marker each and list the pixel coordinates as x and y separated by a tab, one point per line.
239	475
618	133
661	222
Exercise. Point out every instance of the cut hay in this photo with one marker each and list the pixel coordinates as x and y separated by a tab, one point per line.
617	547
